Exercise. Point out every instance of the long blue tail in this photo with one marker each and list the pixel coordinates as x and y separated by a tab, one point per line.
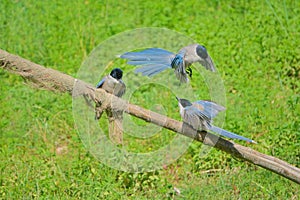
153	60
230	134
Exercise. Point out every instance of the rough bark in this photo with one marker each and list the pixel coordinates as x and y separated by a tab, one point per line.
54	80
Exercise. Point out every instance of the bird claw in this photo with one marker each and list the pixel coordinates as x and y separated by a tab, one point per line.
189	71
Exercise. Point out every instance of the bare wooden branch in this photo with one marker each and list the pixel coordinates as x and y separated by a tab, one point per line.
54	80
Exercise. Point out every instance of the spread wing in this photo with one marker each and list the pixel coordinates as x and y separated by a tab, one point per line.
195	117
208	108
208	64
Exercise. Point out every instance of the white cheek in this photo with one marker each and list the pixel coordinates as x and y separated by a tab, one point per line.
181	110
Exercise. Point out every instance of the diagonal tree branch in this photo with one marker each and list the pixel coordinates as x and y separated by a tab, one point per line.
56	81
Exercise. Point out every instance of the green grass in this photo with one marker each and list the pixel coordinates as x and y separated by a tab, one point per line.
255	46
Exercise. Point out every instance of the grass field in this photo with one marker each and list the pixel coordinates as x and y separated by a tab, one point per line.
255	46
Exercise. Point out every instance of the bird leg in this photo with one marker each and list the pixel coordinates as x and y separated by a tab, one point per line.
189	71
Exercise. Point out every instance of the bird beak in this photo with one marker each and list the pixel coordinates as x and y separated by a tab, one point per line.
177	98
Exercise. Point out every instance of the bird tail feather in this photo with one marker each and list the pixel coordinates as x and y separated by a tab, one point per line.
230	134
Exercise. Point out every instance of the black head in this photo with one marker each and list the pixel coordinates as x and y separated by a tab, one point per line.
116	73
184	102
201	51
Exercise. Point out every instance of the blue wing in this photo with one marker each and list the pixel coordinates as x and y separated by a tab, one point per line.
199	119
149	56
230	134
201	113
152	60
151	69
196	118
178	64
210	109
178	61
99	85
